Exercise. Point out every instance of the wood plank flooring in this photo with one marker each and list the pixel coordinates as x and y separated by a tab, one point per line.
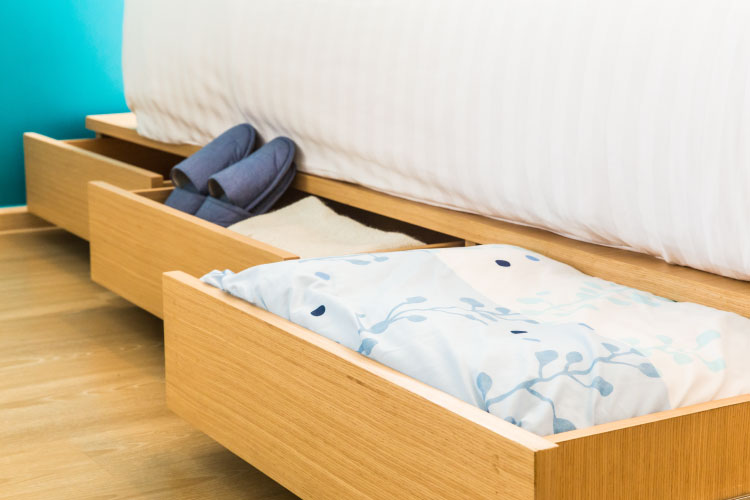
82	411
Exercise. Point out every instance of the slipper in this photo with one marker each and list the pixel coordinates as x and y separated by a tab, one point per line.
231	146
267	203
185	201
221	213
256	182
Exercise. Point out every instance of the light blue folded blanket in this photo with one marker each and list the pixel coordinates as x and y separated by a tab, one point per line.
523	337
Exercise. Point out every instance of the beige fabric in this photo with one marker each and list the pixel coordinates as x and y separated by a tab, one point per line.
309	228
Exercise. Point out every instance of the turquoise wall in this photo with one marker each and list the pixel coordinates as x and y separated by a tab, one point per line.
60	61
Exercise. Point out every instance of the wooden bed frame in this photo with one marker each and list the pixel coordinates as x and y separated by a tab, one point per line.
327	422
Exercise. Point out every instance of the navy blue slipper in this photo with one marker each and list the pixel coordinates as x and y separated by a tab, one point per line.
221	213
255	183
192	173
185	201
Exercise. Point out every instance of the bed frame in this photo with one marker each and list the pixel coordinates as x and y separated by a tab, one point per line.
326	422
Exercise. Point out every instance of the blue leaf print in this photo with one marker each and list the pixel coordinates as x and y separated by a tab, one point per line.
610	347
648	370
366	346
416	318
562	425
516	332
706	337
681	359
574	357
643	299
545	357
716	365
502	263
380	258
318	311
322	275
502	310
532	258
529	300
664	339
380	327
487	316
415	300
601	385
471	302
618	301
358	262
484	384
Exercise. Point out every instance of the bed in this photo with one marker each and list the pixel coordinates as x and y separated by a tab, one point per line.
618	123
618	126
328	422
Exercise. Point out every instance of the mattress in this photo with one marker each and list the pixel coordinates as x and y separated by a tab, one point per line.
619	123
524	337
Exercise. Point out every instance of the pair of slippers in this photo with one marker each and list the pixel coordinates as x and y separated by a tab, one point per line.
226	182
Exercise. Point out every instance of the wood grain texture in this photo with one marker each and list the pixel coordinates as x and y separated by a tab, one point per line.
135	239
123	126
158	195
288	401
628	268
82	392
323	420
57	173
19	218
694	453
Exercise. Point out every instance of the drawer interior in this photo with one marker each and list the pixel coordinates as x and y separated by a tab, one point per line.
135	238
143	157
374	220
57	174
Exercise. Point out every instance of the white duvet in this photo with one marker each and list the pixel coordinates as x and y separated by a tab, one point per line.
624	123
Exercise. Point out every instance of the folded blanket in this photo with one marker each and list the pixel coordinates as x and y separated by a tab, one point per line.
309	228
524	337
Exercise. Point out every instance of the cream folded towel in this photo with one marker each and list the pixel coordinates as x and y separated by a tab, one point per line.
309	228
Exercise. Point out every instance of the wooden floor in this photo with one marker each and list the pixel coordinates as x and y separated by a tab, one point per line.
82	411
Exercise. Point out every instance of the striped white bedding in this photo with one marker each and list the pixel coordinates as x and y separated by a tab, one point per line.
621	123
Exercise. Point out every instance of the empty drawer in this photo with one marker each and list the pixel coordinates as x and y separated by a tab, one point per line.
135	238
57	173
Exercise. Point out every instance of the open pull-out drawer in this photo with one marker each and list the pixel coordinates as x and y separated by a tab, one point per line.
57	174
135	238
326	422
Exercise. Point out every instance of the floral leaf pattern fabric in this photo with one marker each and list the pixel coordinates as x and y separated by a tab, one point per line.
523	337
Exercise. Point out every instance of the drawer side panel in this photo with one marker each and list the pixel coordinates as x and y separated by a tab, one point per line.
57	175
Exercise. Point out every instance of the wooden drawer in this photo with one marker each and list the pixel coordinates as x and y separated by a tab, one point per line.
57	173
326	422
135	238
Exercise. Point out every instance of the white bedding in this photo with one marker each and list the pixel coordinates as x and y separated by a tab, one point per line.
621	123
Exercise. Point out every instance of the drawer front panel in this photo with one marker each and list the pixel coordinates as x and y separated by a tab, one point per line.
134	239
321	419
57	173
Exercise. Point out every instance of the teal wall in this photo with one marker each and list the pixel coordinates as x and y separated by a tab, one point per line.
60	61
